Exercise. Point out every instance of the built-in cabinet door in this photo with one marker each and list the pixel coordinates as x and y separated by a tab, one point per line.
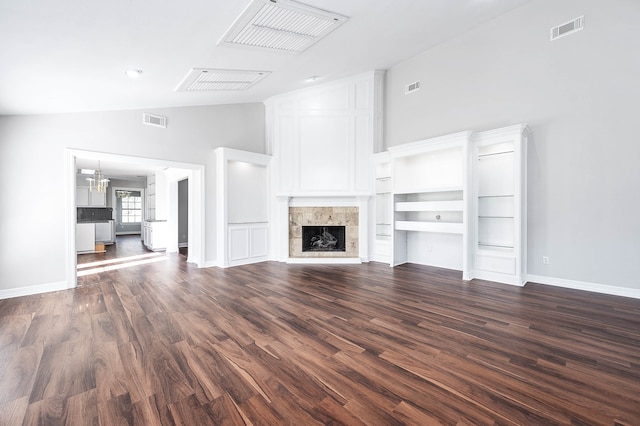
104	232
85	237
248	243
155	235
82	196
86	198
97	199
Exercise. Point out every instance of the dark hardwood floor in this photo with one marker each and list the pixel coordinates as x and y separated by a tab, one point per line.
125	246
268	344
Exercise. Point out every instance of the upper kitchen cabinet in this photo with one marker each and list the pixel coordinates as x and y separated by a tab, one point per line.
87	198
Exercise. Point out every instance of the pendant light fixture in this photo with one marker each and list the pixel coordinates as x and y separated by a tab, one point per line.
98	181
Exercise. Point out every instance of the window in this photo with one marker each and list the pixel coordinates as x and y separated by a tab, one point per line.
132	209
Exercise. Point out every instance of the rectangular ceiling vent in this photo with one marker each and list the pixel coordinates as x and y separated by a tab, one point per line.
154	120
207	79
281	25
567	28
412	87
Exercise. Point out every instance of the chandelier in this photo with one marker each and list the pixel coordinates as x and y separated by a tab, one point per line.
122	194
98	181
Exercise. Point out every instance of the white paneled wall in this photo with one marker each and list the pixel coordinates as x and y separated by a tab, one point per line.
323	138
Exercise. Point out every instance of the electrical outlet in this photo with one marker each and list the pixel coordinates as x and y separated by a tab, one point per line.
545	260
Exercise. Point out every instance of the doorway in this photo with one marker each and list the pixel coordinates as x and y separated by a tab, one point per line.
128	208
193	174
183	216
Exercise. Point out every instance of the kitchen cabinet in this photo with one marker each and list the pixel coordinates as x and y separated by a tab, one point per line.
154	235
85	237
86	198
105	232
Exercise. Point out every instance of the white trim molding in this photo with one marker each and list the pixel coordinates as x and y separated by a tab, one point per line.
585	286
34	289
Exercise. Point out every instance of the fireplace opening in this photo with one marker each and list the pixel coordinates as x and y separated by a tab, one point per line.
323	238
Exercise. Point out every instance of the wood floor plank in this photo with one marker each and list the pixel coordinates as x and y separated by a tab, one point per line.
270	344
19	372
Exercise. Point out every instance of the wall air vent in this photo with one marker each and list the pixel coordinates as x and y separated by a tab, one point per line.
413	87
567	28
281	25
207	79
154	120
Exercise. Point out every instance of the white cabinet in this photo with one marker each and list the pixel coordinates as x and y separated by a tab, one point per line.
105	232
459	202
499	205
248	243
154	234
85	237
86	198
429	195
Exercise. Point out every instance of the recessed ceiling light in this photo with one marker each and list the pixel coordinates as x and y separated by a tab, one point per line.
87	171
133	73
312	78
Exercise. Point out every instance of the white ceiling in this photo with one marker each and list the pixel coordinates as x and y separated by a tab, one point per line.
70	55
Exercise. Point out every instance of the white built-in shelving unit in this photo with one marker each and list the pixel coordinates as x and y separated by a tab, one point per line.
429	199
383	208
456	201
499	205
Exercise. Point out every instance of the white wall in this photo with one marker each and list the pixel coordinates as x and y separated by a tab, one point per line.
247	192
33	225
579	94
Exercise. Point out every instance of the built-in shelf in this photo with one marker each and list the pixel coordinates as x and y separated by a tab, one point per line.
412	206
430	190
498	239
493	245
429	201
440	227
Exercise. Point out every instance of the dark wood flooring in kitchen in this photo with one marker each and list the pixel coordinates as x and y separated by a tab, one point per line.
125	246
268	344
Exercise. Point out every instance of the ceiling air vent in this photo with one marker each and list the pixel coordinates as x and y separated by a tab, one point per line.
281	25
410	88
154	120
206	79
567	28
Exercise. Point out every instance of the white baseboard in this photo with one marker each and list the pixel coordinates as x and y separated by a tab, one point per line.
34	289
586	286
210	264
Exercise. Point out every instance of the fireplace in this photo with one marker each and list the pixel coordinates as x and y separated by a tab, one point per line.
323	238
324	232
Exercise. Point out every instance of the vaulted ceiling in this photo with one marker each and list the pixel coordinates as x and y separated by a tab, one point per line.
71	55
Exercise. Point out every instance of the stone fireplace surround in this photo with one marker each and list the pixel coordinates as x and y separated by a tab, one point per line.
347	216
288	244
